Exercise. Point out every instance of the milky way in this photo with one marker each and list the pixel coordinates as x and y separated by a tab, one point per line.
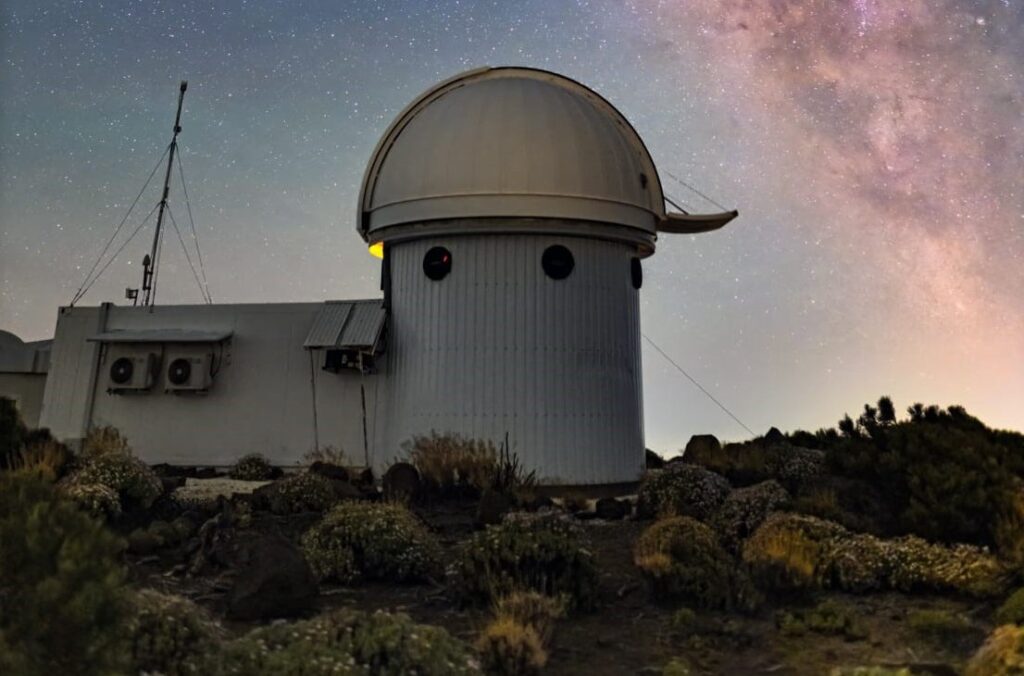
874	149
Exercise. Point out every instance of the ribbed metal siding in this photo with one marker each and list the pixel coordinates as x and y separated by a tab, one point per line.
498	347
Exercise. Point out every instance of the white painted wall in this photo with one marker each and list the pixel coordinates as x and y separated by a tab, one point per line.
497	346
261	400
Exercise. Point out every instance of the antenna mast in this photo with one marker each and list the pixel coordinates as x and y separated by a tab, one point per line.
150	262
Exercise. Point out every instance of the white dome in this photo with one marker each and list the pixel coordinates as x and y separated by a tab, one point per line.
510	143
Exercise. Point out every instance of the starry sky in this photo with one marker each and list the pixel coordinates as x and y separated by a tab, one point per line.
874	148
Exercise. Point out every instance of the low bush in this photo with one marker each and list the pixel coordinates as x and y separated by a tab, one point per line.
252	467
684	621
682	560
797	553
1012	609
364	540
12	433
305	492
168	634
45	457
344	641
541	552
1001	655
107	460
96	499
61	602
682	490
745	509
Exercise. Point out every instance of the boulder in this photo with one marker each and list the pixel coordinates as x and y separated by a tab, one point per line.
273	581
326	469
653	460
700	447
611	509
774	436
401	482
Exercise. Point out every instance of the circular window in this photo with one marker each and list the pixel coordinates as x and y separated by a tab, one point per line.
557	262
636	272
437	263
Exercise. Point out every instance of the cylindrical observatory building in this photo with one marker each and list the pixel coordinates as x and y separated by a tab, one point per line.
512	208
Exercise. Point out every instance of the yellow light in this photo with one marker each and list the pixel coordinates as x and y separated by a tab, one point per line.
377	249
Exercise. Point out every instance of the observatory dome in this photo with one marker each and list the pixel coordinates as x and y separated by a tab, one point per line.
510	143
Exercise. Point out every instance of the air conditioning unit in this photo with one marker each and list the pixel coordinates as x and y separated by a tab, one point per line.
189	372
131	372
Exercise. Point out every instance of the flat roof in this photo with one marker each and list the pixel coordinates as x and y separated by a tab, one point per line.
161	336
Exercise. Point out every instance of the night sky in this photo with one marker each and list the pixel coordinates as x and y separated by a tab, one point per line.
875	151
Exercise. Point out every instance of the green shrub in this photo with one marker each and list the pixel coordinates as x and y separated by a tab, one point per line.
96	499
12	433
939	627
682	490
1012	609
745	509
542	552
344	641
829	618
682	560
1001	655
305	492
252	467
944	474
509	648
111	464
684	621
168	633
365	540
917	565
61	602
676	667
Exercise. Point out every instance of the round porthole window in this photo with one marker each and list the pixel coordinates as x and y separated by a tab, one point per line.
636	272
437	263
557	262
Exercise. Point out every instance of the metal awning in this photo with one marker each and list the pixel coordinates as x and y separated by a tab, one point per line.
161	336
348	324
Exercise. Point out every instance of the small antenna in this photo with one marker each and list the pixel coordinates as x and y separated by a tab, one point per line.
150	262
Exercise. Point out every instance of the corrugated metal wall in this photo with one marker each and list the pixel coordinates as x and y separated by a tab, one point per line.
497	346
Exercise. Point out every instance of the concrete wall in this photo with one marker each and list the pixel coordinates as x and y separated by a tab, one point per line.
261	400
26	389
497	346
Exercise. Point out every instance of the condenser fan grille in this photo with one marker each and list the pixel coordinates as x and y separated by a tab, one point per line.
121	371
179	371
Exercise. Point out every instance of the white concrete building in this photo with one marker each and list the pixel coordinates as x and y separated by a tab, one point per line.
511	208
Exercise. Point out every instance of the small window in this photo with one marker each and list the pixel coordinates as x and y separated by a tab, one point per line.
636	271
557	262
437	263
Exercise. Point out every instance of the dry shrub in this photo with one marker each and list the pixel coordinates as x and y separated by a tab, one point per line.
331	455
509	648
1001	655
46	458
787	554
450	464
532	609
745	509
102	441
682	560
